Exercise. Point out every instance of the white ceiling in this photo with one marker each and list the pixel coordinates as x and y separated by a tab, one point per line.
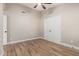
39	8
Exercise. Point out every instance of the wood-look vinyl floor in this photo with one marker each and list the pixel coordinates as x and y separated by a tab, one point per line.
38	47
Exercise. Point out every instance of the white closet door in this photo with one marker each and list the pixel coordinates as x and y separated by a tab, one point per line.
4	29
52	28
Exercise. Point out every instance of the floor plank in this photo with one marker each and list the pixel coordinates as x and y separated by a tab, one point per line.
38	47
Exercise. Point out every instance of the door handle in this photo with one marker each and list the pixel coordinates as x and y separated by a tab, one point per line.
5	31
50	30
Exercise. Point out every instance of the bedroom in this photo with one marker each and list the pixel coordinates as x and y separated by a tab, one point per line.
39	29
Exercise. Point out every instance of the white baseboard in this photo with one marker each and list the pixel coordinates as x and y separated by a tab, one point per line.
22	40
66	45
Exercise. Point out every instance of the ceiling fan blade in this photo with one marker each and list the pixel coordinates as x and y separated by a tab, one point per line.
47	3
35	5
43	6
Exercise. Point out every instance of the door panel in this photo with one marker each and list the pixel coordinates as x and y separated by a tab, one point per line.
52	28
4	29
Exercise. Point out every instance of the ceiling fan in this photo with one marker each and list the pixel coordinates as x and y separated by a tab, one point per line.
42	4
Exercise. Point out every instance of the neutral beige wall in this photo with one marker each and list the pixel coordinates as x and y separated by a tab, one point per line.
1	30
22	26
70	22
